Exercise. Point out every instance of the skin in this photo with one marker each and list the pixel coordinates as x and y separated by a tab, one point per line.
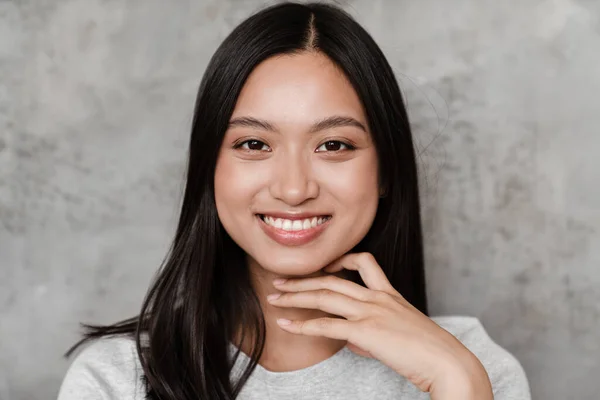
292	93
285	165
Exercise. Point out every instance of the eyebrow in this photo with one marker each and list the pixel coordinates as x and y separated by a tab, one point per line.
335	121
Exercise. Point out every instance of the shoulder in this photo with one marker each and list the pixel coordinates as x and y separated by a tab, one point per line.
108	368
506	373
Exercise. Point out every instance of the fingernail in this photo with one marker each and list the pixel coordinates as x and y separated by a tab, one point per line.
283	321
273	296
279	281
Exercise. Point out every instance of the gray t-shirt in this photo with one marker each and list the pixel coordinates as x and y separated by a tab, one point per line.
109	369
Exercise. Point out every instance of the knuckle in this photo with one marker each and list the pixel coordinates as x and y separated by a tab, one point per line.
323	324
329	281
323	296
381	297
366	257
369	325
368	296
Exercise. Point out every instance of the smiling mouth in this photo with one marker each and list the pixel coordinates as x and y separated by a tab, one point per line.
294	225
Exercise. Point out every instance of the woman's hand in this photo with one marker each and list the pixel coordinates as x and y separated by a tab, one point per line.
381	324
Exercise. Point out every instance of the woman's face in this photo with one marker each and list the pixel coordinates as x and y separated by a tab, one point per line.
296	181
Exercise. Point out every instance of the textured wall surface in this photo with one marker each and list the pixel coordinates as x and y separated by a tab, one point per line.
95	106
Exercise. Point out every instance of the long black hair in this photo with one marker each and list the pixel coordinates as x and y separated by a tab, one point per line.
202	293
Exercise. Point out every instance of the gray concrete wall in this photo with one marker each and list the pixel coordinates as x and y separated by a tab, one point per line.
95	105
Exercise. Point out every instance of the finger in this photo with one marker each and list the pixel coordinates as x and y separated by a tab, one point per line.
329	282
324	300
368	268
334	328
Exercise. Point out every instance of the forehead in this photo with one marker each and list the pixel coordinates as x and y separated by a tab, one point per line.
297	88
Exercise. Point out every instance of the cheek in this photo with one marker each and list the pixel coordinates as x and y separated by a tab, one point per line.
233	186
355	188
237	185
353	184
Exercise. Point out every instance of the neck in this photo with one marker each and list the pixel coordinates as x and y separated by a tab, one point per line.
286	351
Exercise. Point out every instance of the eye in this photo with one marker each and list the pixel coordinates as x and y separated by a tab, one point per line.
252	145
334	145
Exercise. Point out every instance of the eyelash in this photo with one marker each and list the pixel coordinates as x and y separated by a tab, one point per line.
348	145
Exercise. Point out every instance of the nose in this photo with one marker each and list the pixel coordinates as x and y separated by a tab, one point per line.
293	181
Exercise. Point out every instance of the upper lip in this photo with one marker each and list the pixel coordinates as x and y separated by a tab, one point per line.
293	216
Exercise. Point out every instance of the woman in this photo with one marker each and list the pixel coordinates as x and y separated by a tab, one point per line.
301	166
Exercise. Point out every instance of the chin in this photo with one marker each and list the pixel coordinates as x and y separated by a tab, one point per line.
292	266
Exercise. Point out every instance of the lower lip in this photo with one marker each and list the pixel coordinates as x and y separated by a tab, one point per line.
292	238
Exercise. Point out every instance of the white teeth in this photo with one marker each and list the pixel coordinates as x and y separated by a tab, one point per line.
294	225
306	224
287	225
297	225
